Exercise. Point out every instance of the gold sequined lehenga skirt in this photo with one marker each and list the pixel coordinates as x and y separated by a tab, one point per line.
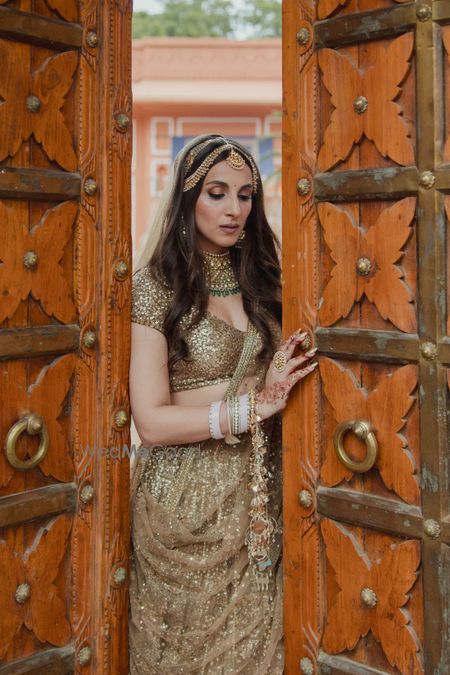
194	606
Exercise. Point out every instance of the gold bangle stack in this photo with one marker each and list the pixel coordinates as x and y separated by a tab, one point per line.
235	420
262	527
232	403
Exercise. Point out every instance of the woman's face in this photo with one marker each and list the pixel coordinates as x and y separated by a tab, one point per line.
223	206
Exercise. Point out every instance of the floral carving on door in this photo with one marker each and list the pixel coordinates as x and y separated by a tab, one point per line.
39	95
45	398
373	595
380	249
364	103
387	406
366	179
28	585
29	258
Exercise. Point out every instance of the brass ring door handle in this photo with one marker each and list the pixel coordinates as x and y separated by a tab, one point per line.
32	424
364	430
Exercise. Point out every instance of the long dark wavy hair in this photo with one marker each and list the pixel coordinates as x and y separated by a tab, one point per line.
177	259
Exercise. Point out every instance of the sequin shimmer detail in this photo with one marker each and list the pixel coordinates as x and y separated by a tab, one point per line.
150	300
214	345
194	605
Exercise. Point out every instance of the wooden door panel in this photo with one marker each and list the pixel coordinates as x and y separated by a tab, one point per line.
365	271
58	9
45	390
32	254
447	227
351	77
379	240
373	586
65	149
36	564
326	8
387	397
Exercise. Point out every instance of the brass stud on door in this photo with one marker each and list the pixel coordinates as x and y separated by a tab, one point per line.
84	656
305	498
424	12
33	103
87	494
89	339
120	575
432	528
303	36
363	266
306	666
428	350
121	270
121	418
369	597
92	39
30	260
304	186
360	104
90	186
22	593
123	121
427	179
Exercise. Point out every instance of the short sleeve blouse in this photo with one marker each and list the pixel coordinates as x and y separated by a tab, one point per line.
151	300
214	345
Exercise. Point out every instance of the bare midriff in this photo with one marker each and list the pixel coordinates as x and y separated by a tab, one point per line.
209	393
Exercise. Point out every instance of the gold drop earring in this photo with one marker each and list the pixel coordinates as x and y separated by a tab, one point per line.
241	239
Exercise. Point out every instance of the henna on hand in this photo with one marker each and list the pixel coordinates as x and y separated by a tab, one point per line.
275	393
279	391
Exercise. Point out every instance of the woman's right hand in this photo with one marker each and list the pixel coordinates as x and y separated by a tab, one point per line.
279	383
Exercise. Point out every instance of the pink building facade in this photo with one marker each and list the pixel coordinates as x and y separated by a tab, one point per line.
183	87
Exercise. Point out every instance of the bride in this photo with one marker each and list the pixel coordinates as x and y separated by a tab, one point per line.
209	376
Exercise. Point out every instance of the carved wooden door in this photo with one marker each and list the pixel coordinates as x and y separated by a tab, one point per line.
366	178
65	144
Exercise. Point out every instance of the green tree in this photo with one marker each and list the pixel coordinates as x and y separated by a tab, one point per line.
188	18
262	18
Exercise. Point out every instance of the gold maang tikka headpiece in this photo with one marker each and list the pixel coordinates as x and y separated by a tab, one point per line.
234	159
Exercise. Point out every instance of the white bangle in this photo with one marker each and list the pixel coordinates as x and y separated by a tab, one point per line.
214	420
243	413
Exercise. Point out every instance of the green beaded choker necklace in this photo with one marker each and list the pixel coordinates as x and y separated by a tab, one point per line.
219	272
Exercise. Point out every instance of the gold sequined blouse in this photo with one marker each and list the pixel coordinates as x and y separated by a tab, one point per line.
214	345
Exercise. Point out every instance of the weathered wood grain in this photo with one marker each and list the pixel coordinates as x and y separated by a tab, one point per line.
40	30
65	213
51	662
34	504
364	26
366	510
38	340
366	130
37	184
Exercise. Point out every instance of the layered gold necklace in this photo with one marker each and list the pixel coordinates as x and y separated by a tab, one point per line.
220	277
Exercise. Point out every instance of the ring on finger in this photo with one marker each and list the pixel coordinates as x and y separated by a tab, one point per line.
279	361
